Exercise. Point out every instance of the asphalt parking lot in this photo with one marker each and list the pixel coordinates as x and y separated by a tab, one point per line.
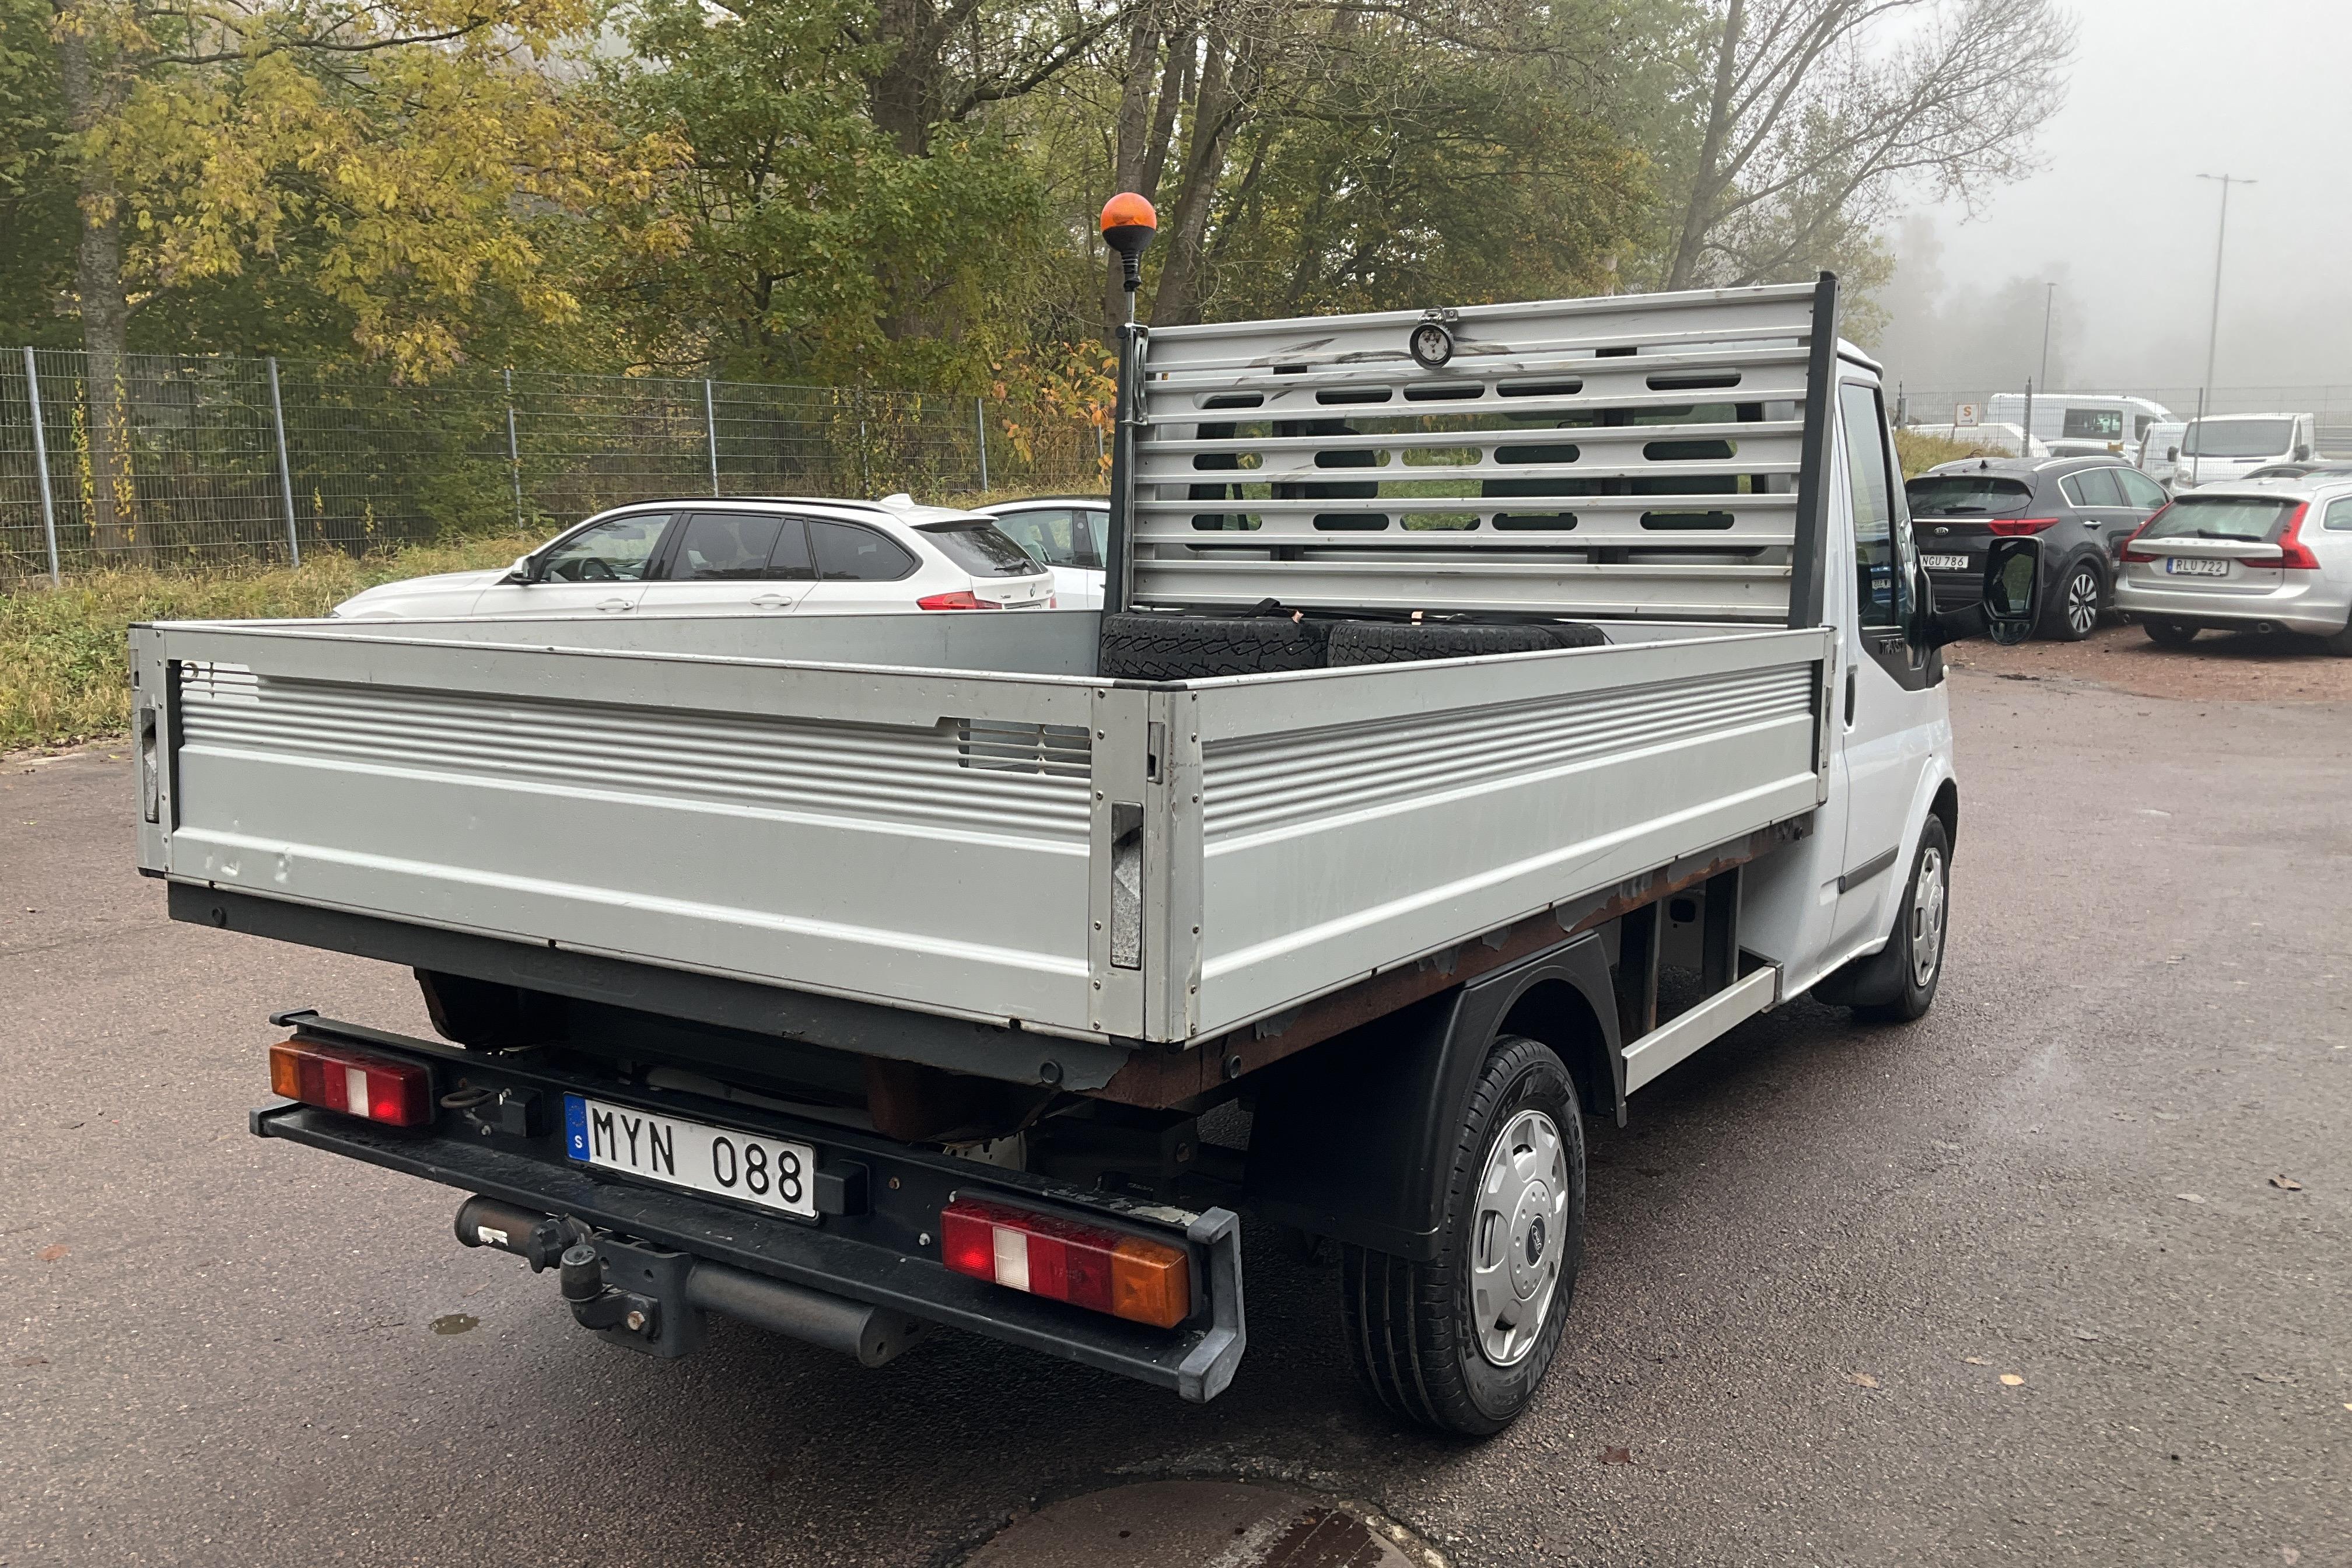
2059	1275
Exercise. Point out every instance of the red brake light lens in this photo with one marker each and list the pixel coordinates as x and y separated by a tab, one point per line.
1091	1266
2009	525
335	1078
2294	555
961	599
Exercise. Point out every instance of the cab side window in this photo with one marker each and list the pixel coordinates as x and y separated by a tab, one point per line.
613	552
1881	532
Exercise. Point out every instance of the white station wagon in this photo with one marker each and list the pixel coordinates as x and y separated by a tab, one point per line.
2257	556
740	557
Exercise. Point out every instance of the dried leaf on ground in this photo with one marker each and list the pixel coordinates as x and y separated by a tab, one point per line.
1862	1380
2286	1184
1975	1361
52	1253
2011	1380
2191	1197
1616	1456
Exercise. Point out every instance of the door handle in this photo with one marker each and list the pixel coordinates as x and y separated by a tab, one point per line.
609	605
772	602
1850	672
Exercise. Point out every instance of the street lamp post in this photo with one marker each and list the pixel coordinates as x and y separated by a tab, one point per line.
2049	300
2213	328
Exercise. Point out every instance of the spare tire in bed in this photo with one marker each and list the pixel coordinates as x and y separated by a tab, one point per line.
1394	642
1137	647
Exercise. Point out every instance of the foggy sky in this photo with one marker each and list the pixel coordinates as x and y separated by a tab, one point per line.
2160	92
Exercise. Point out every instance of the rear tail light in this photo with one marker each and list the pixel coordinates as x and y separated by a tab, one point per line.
961	599
2294	555
1089	1266
353	1082
2012	525
2142	556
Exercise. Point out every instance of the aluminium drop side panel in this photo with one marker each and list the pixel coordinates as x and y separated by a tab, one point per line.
1357	819
913	837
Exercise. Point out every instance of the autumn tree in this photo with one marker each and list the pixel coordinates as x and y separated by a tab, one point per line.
1810	116
401	160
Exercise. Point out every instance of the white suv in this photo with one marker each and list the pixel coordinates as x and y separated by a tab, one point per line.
741	556
1068	534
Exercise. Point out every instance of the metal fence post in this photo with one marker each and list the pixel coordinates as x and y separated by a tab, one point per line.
514	452
710	431
284	472
979	421
41	465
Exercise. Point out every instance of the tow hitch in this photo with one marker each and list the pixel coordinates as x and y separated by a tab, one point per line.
658	1302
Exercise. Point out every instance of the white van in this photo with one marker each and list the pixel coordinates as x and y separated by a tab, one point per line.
2158	454
2081	424
2224	447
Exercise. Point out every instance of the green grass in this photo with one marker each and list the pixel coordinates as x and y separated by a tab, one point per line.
64	676
1918	454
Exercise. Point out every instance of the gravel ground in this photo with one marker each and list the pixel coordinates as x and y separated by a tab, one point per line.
2012	1286
2234	667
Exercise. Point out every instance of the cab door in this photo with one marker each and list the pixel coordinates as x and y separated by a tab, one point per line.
1894	722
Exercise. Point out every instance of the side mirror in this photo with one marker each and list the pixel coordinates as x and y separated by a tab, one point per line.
2301	454
2012	598
522	571
2013	588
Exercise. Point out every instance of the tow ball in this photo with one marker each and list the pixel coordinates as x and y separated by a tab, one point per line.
580	1276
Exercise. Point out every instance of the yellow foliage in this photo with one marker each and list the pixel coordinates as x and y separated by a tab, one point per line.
408	156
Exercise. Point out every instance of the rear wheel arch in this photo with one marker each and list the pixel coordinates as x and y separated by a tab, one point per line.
1561	1016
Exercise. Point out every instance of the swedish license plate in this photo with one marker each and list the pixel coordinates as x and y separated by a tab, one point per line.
773	1173
2196	567
1944	563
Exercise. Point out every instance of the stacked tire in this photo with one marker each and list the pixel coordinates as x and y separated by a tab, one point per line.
1145	647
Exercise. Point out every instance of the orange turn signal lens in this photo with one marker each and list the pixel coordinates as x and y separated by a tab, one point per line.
1091	1266
357	1083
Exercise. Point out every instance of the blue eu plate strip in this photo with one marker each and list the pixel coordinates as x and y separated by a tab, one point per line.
575	1127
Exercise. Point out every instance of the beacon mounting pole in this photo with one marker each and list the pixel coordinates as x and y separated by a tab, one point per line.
1128	225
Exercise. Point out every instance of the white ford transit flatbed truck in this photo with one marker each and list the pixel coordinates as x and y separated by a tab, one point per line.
857	975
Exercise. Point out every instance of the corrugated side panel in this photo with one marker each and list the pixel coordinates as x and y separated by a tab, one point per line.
1336	850
943	867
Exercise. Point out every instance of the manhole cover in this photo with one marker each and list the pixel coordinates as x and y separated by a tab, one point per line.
1202	1524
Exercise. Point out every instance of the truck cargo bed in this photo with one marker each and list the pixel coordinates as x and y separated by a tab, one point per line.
949	813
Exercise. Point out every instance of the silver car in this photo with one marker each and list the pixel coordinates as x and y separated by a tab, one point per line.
2255	555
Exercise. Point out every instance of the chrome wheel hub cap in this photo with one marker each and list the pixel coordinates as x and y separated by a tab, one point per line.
1519	1237
1927	899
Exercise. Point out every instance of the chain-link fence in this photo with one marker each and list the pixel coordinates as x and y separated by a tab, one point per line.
171	460
1938	405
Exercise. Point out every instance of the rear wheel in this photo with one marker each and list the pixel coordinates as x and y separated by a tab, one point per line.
2074	614
1462	1341
2339	643
2166	633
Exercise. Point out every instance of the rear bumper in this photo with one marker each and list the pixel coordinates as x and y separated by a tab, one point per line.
876	1241
2319	607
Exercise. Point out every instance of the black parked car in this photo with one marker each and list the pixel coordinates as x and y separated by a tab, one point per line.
2083	509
